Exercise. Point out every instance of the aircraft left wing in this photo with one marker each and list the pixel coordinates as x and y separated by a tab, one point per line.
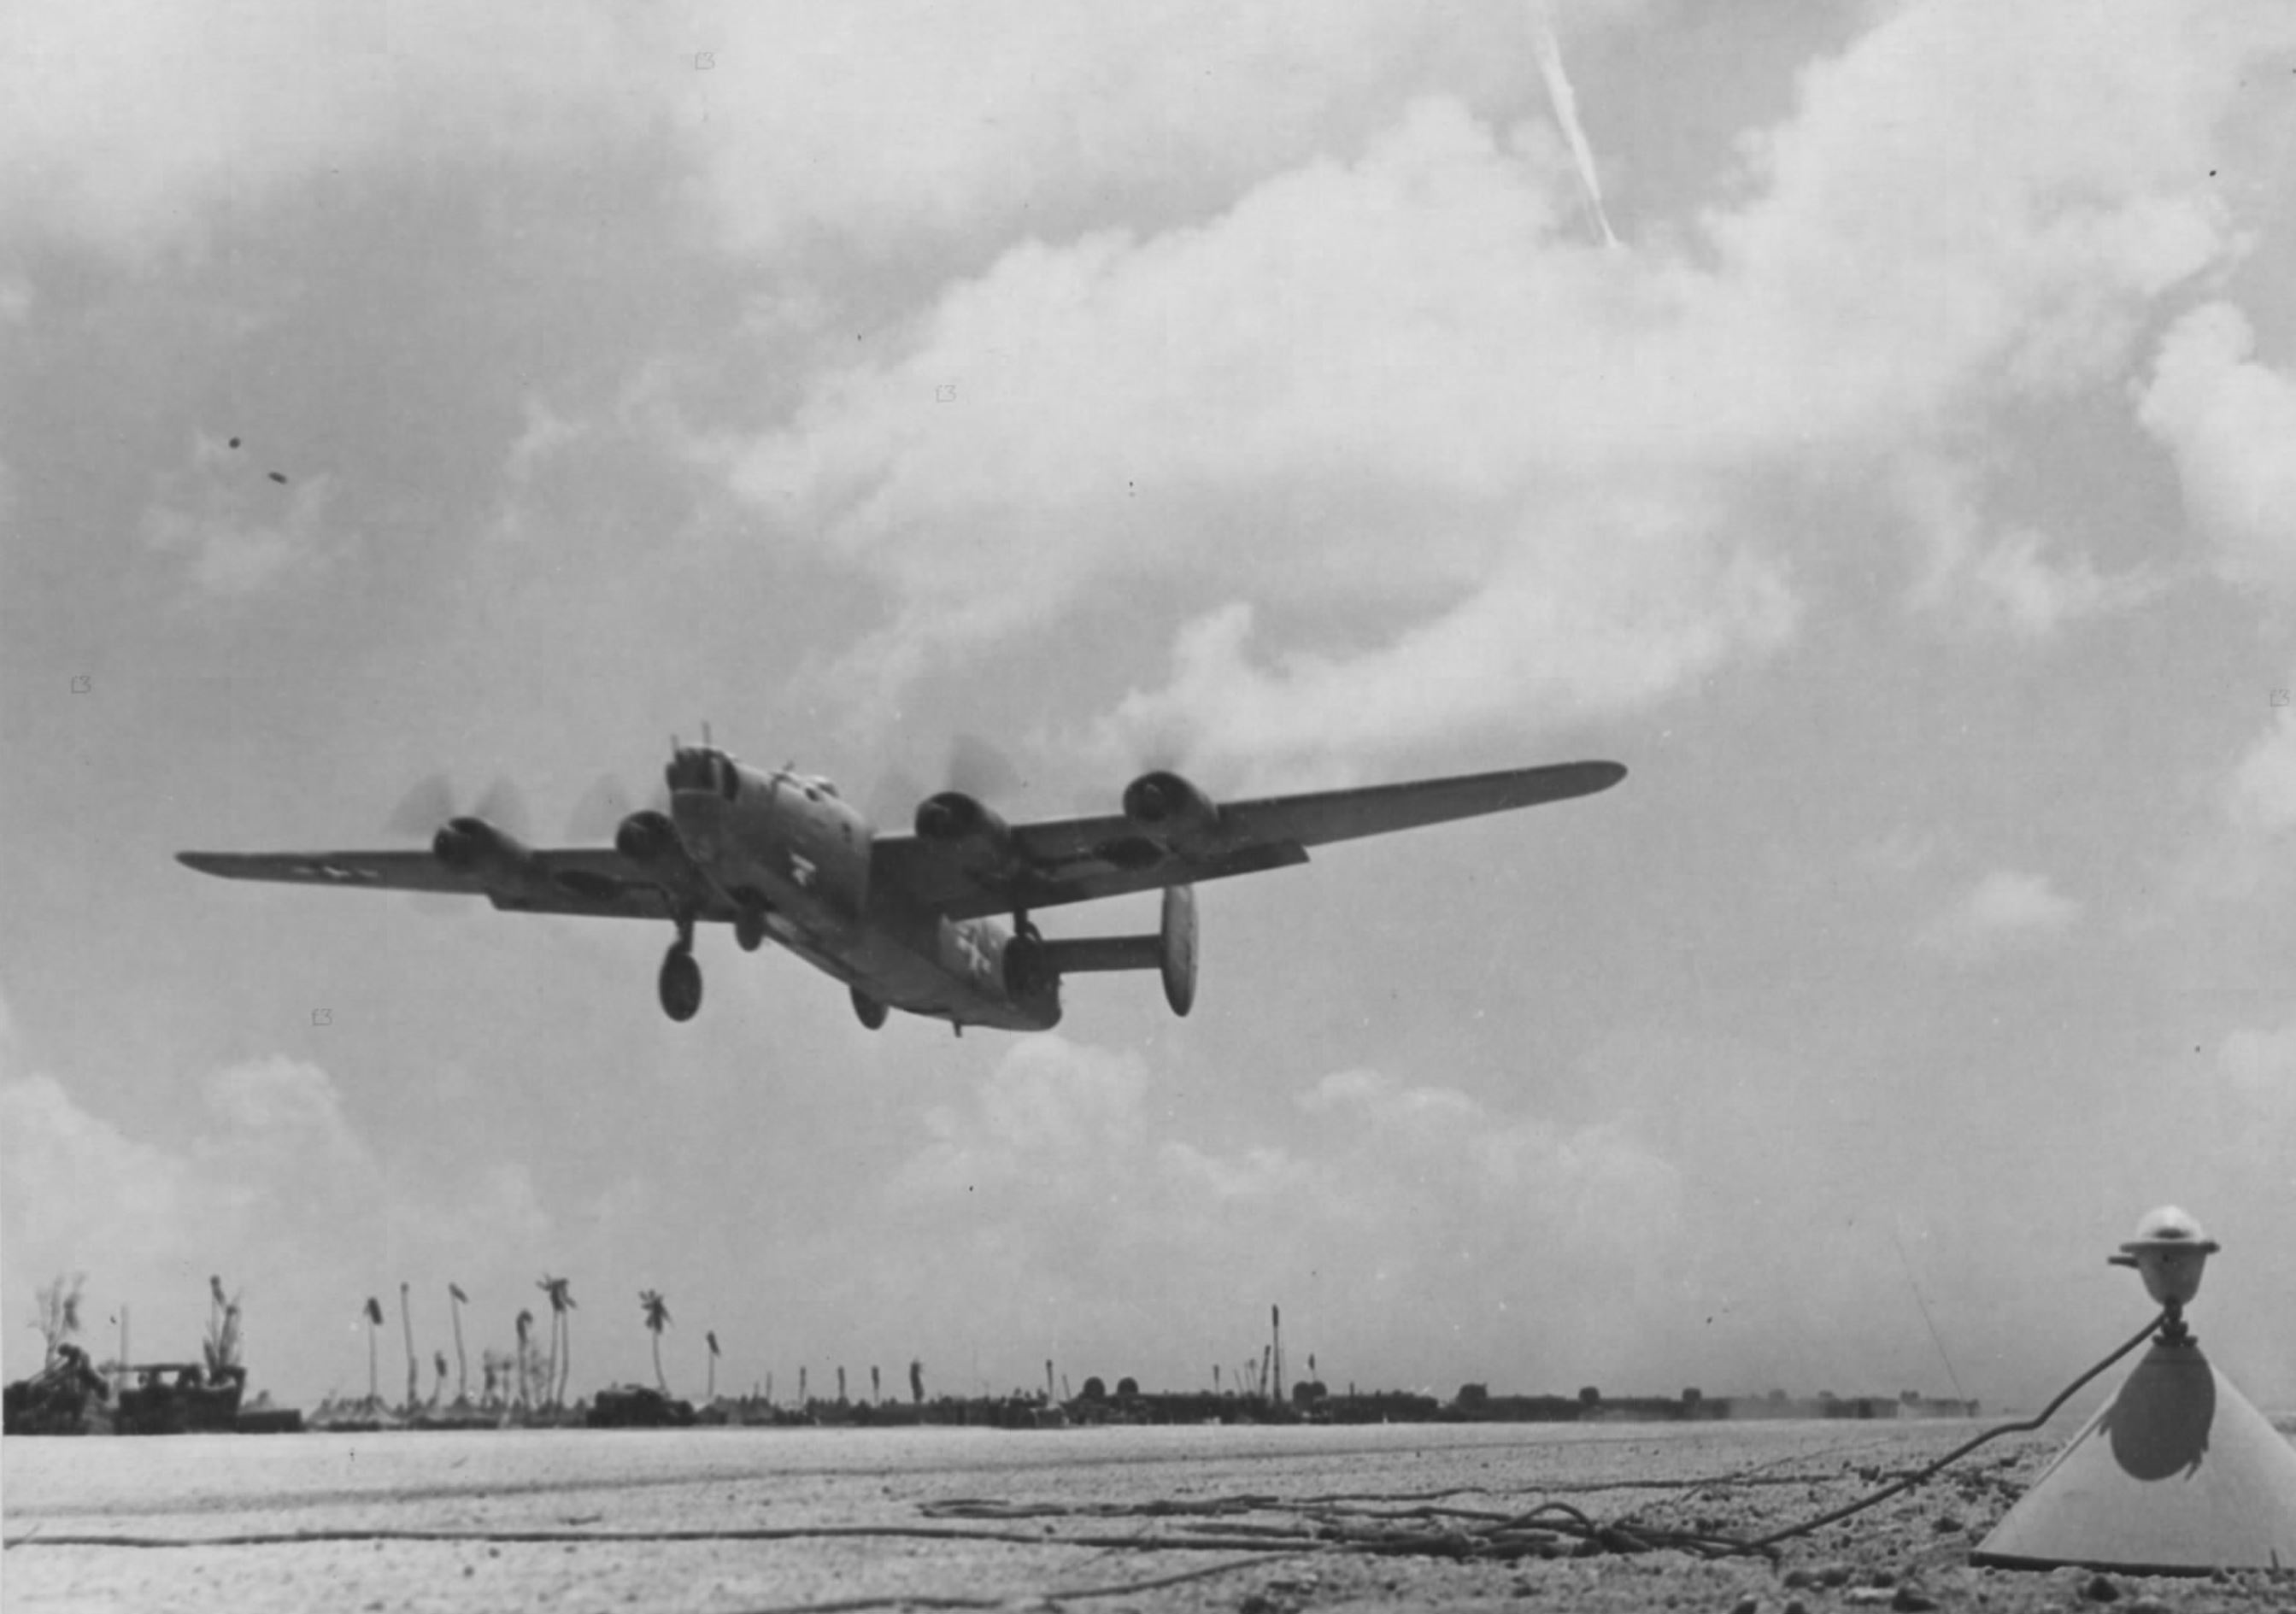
592	881
1178	837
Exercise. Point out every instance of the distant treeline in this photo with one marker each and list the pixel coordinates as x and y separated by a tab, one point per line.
1472	1406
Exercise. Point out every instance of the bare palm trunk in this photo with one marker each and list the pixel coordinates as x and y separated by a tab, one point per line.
462	1365
373	1389
661	1383
406	1319
565	1355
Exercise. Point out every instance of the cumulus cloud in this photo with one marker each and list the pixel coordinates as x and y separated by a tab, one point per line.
76	1184
2007	909
130	125
2261	797
2228	421
2017	586
2221	922
876	123
2240	855
1616	629
1402	382
2001	579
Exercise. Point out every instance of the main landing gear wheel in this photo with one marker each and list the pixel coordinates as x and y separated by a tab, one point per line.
750	927
681	983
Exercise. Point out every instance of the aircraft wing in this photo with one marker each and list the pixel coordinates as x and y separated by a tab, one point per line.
1066	860
592	881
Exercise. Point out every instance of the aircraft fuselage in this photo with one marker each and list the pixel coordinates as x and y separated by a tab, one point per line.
787	848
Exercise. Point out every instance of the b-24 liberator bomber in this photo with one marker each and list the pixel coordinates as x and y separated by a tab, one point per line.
937	922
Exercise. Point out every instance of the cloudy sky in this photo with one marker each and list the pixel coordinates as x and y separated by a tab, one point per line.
1876	428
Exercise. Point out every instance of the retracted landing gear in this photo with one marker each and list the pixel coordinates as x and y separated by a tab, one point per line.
681	977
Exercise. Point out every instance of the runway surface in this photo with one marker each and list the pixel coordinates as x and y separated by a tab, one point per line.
1250	1520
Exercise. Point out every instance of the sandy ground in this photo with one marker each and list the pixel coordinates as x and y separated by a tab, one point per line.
738	1519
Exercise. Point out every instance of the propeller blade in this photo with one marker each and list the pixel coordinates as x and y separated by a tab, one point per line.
429	804
894	801
427	808
981	770
503	807
601	811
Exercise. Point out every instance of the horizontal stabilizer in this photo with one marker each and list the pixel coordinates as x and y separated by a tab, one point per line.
1172	950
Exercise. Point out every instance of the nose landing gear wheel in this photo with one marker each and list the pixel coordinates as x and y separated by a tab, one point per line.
681	984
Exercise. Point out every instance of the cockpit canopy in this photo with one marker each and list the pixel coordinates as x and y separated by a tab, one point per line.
705	767
702	767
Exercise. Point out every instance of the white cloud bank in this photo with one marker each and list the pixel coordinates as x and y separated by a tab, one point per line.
1284	303
127	123
1403	386
2230	421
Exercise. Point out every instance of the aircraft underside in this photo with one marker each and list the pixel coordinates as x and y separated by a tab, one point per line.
969	972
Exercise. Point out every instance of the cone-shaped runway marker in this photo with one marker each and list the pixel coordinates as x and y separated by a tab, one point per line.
2178	1474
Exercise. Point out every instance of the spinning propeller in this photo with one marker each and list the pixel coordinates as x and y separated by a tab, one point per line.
427	812
430	807
974	767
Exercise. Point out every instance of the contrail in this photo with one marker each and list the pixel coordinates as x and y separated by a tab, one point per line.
1566	113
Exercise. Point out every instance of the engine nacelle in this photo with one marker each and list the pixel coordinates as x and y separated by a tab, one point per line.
871	1012
1169	809
646	838
957	819
472	846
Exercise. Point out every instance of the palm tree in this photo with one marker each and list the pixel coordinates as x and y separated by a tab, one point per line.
561	1341
455	1300
712	1337
525	1348
374	1322
220	1348
657	1318
414	1374
59	1318
565	1338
